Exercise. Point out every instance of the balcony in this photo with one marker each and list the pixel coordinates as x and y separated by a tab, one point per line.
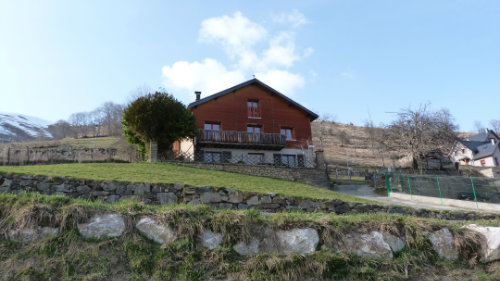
237	139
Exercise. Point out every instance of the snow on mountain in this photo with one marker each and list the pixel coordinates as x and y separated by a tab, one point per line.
20	127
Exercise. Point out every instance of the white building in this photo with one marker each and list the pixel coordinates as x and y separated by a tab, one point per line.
481	150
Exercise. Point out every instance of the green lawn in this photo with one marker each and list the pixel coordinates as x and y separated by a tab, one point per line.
169	173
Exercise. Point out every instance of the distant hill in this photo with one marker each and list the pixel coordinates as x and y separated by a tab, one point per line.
20	128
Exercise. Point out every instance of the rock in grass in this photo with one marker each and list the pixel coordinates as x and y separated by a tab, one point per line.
396	243
210	197
491	241
298	240
31	234
103	226
211	240
245	249
365	245
442	242
155	231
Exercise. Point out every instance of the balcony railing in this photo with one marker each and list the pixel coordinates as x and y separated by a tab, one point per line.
235	138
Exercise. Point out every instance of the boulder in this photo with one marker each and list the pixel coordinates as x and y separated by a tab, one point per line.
491	241
236	197
64	187
83	189
245	249
103	226
266	199
442	242
155	231
210	197
109	186
365	245
31	234
142	188
298	240
166	198
396	243
254	200
210	240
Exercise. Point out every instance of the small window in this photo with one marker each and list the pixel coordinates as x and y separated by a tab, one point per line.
288	132
288	160
212	126
212	157
255	158
483	162
253	108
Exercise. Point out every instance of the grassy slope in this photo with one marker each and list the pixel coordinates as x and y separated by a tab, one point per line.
168	173
66	256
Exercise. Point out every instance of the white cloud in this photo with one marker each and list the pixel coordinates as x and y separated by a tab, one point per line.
295	18
282	81
210	76
252	49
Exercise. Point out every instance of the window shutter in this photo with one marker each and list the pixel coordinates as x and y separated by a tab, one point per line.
226	156
277	159
199	156
300	160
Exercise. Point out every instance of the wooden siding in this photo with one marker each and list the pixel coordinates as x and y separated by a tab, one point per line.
231	112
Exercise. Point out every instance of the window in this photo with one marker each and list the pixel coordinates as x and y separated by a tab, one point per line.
210	156
253	133
212	126
288	160
288	133
212	131
483	162
253	109
255	158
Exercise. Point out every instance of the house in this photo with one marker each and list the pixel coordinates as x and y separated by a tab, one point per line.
481	150
250	123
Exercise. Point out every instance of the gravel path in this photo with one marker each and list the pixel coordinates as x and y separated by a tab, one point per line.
366	192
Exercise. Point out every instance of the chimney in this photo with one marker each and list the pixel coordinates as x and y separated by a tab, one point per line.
198	94
492	141
486	130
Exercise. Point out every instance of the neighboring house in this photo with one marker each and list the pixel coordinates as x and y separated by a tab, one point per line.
482	150
250	123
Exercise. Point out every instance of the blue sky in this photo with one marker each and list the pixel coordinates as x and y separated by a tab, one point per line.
352	59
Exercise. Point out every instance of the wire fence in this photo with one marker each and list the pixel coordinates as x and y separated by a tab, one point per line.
305	160
478	189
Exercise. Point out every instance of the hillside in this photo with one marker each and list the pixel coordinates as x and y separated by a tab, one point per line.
20	128
358	145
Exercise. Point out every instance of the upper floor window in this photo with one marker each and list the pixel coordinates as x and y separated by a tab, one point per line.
288	132
212	126
253	109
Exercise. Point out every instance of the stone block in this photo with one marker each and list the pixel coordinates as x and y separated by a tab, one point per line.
103	226
442	242
210	197
210	240
155	231
166	198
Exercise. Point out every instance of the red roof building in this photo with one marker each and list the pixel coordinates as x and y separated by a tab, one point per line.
251	123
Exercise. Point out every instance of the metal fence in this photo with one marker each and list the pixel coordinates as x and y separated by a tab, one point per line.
478	189
305	160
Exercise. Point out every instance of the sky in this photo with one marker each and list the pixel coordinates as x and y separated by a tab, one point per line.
350	59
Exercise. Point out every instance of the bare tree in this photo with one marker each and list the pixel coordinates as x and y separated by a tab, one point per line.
417	131
478	126
343	138
495	125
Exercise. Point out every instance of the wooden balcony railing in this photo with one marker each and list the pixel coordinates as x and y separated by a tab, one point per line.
241	138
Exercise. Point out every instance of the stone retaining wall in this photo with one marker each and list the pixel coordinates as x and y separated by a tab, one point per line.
112	191
305	175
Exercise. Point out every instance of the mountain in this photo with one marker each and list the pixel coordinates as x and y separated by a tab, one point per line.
19	128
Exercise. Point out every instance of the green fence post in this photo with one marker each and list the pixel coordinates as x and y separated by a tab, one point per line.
409	186
474	191
387	184
439	187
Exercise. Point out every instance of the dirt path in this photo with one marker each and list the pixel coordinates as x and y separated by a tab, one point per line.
366	192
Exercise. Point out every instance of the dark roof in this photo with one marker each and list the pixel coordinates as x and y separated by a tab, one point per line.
249	82
472	145
485	151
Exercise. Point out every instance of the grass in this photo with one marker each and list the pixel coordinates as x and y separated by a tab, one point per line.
66	256
170	173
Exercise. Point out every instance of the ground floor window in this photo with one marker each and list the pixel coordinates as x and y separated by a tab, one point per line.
288	160
210	156
255	158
